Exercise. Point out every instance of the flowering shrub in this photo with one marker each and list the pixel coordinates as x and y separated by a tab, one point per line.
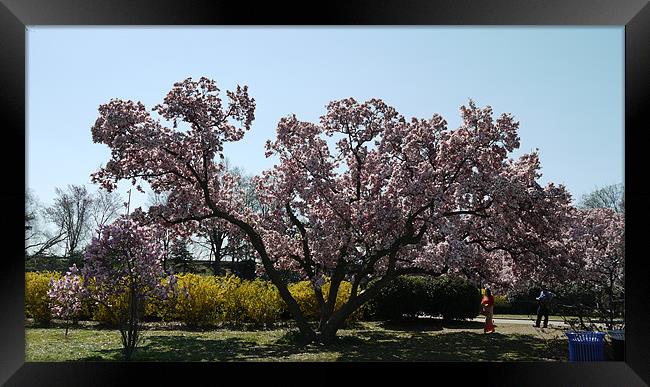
304	294
501	302
196	302
124	264
37	302
345	289
66	293
230	307
204	300
162	307
108	311
209	300
259	302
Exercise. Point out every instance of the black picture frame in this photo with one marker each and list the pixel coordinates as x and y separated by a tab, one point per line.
15	15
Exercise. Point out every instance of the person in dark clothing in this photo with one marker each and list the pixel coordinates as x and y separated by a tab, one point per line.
543	301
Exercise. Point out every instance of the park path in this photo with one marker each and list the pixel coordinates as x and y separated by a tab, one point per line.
521	321
552	323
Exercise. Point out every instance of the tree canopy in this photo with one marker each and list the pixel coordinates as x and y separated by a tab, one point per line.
392	196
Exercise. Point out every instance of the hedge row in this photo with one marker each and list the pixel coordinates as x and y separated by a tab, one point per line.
205	300
200	300
410	296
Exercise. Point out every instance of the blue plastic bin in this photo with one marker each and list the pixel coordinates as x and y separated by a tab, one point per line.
586	346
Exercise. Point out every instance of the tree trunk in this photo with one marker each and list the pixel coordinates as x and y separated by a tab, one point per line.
258	244
327	330
216	244
610	294
307	332
216	265
165	251
130	327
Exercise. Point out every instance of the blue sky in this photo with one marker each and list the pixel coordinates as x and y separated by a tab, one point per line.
564	85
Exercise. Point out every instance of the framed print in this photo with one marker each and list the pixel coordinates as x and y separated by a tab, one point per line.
284	216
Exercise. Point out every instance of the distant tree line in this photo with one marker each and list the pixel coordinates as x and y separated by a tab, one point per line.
63	229
56	235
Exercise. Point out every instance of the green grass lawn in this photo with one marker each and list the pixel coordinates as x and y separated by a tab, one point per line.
366	341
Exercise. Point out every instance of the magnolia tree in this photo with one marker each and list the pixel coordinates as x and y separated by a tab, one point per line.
362	195
599	237
66	295
125	261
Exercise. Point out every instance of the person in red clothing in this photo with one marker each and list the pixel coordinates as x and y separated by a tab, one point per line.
488	310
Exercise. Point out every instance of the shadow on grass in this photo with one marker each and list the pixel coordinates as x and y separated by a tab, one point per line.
369	345
463	324
183	348
455	346
417	325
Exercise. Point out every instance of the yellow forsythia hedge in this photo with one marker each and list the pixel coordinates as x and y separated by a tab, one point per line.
201	300
196	303
207	300
256	302
36	300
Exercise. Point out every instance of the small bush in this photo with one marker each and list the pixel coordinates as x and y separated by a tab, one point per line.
37	302
231	308
343	295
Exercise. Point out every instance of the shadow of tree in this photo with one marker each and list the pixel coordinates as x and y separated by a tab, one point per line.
187	348
419	325
463	324
364	345
454	346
